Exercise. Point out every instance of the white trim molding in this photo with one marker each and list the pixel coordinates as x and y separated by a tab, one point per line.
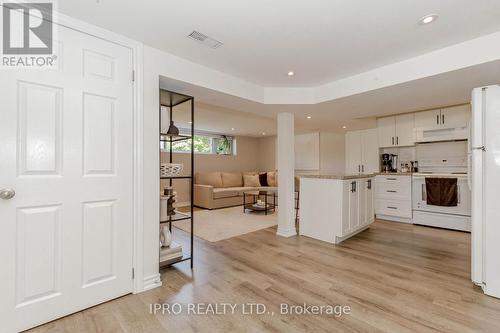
151	282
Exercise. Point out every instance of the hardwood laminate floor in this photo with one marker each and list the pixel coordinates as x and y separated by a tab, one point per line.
394	277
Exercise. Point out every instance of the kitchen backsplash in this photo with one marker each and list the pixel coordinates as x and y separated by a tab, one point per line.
454	152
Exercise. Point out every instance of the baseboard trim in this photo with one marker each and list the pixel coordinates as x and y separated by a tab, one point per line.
394	218
286	233
151	282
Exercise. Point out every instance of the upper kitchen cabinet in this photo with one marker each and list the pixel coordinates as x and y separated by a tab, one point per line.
396	131
428	119
442	124
456	116
452	117
361	149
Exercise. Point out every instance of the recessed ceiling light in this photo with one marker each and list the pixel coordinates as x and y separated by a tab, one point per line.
428	19
344	127
291	73
309	117
263	133
232	128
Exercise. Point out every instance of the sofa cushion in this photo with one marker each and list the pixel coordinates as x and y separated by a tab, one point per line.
263	179
250	173
224	193
272	178
232	179
209	178
251	180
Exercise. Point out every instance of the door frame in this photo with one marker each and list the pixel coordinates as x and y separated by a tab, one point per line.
137	181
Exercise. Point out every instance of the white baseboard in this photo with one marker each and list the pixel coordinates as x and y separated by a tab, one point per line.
394	218
151	282
286	233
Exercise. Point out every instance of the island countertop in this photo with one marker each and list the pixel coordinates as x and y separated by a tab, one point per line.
340	176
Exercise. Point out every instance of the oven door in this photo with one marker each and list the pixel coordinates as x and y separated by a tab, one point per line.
420	198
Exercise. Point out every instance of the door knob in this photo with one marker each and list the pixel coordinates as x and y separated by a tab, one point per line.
7	193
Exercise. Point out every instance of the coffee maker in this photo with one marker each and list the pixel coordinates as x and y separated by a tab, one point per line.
389	163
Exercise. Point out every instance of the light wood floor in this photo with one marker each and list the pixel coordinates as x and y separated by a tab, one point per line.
395	277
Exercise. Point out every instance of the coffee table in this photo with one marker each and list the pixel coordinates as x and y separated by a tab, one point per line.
250	199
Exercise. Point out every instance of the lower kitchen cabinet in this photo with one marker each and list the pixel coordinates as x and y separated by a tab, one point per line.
333	210
393	197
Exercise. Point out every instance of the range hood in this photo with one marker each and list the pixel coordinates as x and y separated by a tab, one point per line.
442	134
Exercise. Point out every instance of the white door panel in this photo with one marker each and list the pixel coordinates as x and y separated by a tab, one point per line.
66	146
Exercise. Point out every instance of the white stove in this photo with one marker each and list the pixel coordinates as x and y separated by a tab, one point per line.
455	217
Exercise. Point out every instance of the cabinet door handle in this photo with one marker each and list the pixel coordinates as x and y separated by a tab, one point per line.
397	140
391	178
390	207
363	168
353	187
392	191
442	119
437	119
359	168
393	141
369	184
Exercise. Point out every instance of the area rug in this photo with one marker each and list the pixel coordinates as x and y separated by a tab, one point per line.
218	224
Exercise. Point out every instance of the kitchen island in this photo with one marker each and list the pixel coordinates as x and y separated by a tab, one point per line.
334	207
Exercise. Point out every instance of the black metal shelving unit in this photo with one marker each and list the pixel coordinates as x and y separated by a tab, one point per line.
170	100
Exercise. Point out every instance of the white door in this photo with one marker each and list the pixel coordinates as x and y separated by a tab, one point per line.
353	152
456	116
369	151
66	147
386	131
428	120
405	133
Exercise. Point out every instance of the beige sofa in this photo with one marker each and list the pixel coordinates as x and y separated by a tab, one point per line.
223	189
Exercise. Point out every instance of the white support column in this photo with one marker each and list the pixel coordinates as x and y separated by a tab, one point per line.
286	173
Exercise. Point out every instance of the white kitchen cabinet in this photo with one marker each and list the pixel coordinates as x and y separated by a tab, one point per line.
396	131
333	210
405	129
428	119
362	155
393	197
456	116
452	117
386	128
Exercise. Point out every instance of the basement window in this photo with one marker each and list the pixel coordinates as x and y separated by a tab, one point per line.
204	143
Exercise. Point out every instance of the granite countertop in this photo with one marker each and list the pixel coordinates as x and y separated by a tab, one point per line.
340	176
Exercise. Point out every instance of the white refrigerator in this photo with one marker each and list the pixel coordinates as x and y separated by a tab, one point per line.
484	180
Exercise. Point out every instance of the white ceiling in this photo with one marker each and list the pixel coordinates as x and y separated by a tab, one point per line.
356	111
320	40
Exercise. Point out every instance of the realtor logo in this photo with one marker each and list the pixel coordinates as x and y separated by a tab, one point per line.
27	28
27	34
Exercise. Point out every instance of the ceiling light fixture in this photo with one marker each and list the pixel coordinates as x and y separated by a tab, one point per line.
309	117
263	133
428	19
344	127
232	128
291	73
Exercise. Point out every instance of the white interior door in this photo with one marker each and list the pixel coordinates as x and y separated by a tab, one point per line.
66	147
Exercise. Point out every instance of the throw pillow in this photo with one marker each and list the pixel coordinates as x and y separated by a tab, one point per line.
272	178
263	179
251	180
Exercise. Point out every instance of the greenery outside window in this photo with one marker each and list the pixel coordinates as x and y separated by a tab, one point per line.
203	144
